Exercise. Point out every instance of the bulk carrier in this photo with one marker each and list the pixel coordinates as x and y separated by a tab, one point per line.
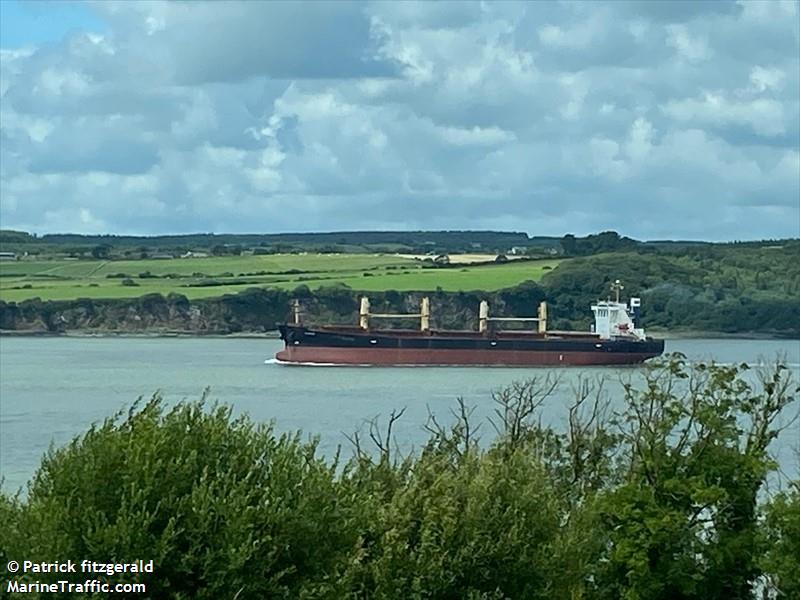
615	339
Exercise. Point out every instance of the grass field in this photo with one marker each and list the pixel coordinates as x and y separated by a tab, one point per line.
208	277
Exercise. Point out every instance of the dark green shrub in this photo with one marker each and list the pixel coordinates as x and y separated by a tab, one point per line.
222	507
782	539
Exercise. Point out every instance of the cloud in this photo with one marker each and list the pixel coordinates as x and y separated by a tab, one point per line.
658	119
669	11
199	43
689	47
763	116
764	79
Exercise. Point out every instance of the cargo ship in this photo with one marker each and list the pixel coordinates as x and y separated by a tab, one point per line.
616	339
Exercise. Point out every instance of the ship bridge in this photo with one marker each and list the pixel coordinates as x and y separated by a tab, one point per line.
614	319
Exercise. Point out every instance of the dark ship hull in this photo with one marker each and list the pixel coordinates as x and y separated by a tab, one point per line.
354	346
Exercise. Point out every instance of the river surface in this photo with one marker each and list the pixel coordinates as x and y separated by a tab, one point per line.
52	389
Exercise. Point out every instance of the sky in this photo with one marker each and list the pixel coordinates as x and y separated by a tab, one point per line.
660	120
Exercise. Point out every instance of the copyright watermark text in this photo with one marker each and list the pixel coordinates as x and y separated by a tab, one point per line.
74	570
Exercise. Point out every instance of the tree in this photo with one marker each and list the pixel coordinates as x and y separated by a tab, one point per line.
569	245
101	251
782	540
684	521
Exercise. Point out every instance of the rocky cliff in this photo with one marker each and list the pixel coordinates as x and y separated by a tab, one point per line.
252	311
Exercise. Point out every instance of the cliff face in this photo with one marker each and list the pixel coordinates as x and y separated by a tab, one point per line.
258	310
254	310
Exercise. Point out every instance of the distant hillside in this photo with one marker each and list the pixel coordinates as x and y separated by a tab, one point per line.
724	287
731	288
449	241
119	246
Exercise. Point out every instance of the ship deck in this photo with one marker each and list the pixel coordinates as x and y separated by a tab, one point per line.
457	333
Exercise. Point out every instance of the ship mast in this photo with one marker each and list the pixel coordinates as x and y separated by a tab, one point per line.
617	287
297	312
424	314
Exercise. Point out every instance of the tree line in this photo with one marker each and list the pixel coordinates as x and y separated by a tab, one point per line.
131	247
341	241
729	288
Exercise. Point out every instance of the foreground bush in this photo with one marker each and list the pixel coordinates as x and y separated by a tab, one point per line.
782	559
658	499
221	506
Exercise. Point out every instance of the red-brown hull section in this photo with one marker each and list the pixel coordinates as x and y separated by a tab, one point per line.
432	357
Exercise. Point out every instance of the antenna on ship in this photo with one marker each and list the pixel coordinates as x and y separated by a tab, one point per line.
617	287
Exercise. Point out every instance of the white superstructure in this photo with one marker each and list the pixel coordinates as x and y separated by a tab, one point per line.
613	319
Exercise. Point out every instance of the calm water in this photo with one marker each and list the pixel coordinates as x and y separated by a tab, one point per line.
52	389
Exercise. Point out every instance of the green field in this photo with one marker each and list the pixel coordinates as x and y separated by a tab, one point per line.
208	277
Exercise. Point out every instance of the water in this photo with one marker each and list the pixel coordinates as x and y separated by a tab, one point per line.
52	389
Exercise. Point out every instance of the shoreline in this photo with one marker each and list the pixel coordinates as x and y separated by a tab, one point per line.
721	335
80	333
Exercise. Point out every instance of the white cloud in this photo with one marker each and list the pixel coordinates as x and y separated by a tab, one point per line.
693	48
579	35
763	116
477	136
265	117
640	140
764	79
774	10
576	88
605	159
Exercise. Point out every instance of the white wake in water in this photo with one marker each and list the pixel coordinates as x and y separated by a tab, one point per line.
275	361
